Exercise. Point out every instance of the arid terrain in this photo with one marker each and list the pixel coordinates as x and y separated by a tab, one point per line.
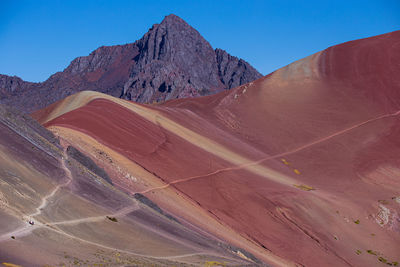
79	217
298	168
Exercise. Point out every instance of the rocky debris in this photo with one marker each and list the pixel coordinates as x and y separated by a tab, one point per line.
146	201
172	60
88	163
30	130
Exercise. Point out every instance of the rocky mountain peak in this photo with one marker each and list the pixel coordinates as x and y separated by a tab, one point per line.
172	60
172	18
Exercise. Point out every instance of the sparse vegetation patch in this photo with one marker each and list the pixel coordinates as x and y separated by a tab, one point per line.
113	219
304	187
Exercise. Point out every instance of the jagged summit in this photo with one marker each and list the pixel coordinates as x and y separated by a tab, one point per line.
174	19
172	60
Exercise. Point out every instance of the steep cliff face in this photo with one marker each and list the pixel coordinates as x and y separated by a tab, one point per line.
172	60
233	71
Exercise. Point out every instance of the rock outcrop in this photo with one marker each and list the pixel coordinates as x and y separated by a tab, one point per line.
11	84
172	60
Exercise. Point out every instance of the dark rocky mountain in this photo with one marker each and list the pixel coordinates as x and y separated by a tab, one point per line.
172	60
10	84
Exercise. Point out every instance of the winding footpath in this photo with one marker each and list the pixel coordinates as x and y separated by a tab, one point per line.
257	162
27	228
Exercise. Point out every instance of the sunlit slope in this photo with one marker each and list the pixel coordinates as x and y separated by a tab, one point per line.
144	137
299	167
79	216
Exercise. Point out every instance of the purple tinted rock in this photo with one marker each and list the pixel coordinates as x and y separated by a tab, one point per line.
172	60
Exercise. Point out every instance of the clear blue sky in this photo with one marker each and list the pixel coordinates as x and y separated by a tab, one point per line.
38	38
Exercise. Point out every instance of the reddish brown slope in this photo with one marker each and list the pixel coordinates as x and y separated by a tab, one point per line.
79	217
329	121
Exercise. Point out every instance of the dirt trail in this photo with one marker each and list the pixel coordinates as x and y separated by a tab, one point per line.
123	212
27	228
207	144
130	252
55	190
225	153
242	166
127	210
